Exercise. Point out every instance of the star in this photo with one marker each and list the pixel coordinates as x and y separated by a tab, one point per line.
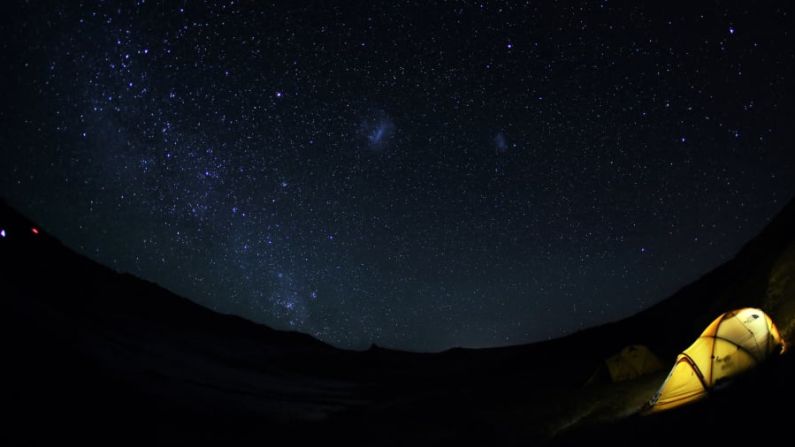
376	162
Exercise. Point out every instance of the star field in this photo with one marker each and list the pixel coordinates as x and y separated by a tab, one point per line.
419	176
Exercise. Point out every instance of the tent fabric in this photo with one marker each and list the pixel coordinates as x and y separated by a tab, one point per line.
632	362
733	343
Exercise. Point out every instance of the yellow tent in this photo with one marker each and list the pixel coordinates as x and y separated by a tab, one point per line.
735	342
630	363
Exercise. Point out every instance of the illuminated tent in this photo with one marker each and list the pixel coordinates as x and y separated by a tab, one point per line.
630	363
735	342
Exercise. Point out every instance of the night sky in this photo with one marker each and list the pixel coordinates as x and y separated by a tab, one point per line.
415	175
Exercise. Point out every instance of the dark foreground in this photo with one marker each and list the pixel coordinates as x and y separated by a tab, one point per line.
94	356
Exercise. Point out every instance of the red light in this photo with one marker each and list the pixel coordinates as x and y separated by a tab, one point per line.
35	230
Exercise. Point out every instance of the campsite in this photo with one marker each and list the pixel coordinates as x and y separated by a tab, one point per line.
87	358
397	223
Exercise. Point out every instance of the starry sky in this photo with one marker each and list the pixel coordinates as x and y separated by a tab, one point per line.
416	175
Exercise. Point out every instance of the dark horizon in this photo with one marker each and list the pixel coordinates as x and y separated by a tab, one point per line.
419	178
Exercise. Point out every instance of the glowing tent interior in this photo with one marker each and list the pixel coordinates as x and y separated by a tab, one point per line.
733	343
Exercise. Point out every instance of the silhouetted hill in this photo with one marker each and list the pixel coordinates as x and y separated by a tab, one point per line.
96	356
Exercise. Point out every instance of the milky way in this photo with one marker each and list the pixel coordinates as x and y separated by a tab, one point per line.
419	176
